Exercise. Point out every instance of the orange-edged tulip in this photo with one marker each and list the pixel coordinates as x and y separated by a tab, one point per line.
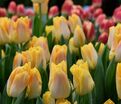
62	101
109	101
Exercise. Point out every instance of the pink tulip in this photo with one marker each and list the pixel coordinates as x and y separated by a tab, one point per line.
103	37
117	16
97	3
14	18
3	12
20	10
54	11
89	30
67	7
100	18
12	7
97	12
29	12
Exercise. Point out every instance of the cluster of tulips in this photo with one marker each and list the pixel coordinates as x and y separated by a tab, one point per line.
68	63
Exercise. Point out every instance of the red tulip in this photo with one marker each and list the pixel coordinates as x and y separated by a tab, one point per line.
97	3
67	7
29	12
100	18
54	10
20	10
117	16
97	12
103	37
89	30
12	7
3	12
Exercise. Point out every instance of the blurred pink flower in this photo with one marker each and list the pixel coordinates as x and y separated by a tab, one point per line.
3	12
54	11
12	7
20	10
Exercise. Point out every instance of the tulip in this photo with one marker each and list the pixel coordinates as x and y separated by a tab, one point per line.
74	20
103	37
58	82
18	80
101	49
72	47
89	54
67	6
100	18
47	98
118	80
62	101
42	42
36	7
109	101
117	14
58	54
35	55
89	30
96	3
44	7
12	7
3	12
38	1
29	12
34	86
21	10
79	36
49	29
14	18
54	11
82	79
97	12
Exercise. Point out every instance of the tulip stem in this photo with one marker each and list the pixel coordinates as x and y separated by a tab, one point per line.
41	22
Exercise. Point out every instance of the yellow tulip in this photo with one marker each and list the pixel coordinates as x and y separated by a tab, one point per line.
35	84
72	47
35	55
42	42
62	101
74	20
47	98
58	82
89	54
49	29
38	1
118	80
101	49
44	7
82	79
18	80
109	101
36	7
79	36
58	54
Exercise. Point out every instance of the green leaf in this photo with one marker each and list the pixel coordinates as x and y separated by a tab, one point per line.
39	101
110	84
20	98
50	41
99	82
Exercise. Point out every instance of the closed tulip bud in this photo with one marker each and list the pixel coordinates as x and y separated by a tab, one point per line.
3	12
89	54
49	29
74	20
59	53
47	98
100	18
54	11
72	47
62	101
82	79
79	36
101	49
12	7
67	7
97	3
36	7
14	18
42	42
103	37
109	101
18	80
118	80
29	12
89	30
59	85
34	86
97	12
20	10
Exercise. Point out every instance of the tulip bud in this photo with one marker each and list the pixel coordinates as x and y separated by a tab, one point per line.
74	20
49	29
18	80
103	37
97	3
54	11
100	18
62	101
97	12
58	54
36	7
29	12
35	84
109	101
82	79
89	30
72	47
58	82
89	54
3	12
20	10
118	80
67	6
79	36
12	7
42	42
101	49
14	18
37	1
47	98
44	7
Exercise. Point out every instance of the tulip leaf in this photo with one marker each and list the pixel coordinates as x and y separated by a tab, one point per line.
0	98
5	98
39	101
110	81
99	82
